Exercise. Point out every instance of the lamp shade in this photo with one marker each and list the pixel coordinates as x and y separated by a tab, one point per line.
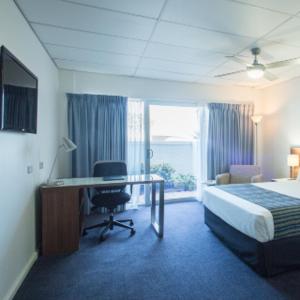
293	160
256	119
68	145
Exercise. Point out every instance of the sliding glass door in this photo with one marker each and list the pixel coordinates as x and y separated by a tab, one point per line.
171	143
168	139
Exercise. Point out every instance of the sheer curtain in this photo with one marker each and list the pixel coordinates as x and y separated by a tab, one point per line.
135	146
201	149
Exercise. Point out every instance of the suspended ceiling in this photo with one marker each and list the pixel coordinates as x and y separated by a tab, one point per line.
182	40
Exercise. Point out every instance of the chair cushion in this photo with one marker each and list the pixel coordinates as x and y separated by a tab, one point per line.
240	179
110	200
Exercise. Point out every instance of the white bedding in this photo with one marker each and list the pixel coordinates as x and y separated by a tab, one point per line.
249	218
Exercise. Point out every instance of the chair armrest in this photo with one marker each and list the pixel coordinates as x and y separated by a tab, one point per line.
256	178
223	178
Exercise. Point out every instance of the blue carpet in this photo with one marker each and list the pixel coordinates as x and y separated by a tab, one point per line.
189	263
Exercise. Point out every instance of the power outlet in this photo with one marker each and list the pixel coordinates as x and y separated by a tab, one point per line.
29	169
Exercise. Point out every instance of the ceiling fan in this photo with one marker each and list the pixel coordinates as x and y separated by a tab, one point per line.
257	70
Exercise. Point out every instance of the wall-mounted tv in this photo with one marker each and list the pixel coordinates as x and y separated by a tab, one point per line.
19	95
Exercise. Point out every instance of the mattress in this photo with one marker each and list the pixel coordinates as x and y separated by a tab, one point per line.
251	219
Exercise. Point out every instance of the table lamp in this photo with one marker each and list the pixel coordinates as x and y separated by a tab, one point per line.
68	146
293	161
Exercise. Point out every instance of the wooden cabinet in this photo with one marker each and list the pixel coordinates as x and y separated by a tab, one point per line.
61	219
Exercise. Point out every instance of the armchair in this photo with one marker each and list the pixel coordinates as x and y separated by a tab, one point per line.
240	174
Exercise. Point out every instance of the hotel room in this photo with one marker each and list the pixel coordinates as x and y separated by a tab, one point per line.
150	149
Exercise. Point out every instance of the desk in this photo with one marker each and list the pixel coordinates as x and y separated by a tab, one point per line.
62	209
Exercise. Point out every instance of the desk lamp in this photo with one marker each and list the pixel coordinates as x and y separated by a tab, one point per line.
68	146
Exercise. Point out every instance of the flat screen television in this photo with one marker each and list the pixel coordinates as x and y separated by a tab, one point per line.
19	95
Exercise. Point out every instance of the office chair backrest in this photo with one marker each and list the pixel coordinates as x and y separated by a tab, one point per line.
110	168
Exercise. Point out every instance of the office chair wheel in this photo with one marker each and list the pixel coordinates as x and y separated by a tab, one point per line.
131	223
132	232
102	238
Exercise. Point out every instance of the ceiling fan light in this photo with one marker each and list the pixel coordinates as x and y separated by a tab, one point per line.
255	73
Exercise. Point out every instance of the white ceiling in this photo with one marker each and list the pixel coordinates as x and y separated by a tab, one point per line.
184	40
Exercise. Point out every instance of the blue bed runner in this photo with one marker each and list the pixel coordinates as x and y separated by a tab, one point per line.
284	209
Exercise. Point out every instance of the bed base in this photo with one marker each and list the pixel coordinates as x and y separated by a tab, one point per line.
267	259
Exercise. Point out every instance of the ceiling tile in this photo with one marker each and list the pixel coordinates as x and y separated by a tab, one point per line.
139	7
73	38
215	81
65	14
290	73
288	33
229	66
186	36
286	6
60	52
224	16
149	73
182	54
170	66
94	67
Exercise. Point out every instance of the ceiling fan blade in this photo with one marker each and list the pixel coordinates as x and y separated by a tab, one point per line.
283	63
237	59
266	56
270	76
231	73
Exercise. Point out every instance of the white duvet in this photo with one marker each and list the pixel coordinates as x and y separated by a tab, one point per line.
249	218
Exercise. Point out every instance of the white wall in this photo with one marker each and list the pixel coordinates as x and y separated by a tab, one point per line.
280	126
17	151
175	154
84	82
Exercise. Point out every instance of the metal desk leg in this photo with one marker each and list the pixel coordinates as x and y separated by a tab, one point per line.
161	208
158	226
153	203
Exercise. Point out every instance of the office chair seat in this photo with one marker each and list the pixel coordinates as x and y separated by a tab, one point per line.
110	200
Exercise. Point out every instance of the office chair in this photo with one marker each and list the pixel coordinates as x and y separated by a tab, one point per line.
110	197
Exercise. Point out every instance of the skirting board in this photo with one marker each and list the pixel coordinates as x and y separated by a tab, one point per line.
14	288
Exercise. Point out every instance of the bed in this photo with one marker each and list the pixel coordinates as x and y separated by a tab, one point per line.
259	222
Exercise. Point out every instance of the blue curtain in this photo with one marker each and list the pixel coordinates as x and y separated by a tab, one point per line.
230	137
98	126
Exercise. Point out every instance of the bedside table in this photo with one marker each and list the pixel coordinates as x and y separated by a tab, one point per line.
282	179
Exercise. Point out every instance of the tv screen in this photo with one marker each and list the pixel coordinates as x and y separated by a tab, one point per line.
19	89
